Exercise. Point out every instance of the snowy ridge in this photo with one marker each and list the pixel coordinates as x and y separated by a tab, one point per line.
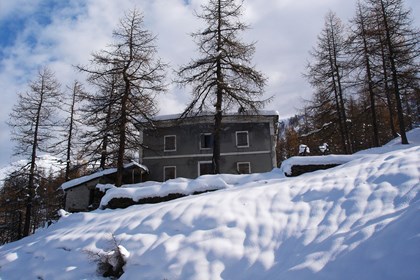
286	166
355	221
156	189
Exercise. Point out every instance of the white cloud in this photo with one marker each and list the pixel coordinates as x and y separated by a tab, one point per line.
285	30
19	8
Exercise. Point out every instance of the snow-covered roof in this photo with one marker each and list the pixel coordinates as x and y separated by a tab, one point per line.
204	114
139	165
93	176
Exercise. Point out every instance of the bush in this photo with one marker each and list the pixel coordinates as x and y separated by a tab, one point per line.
111	263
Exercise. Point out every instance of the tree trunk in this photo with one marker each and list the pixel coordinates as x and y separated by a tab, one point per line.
348	146
31	182
219	97
67	175
217	129
394	74
370	82
339	92
387	93
104	148
122	136
335	90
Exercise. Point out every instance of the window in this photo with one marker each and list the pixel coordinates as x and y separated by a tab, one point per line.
169	172
205	167
169	143
243	167
242	140
206	141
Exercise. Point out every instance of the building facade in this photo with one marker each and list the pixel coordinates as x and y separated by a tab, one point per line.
83	193
184	148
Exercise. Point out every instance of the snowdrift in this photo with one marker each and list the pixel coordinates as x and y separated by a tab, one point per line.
355	221
154	192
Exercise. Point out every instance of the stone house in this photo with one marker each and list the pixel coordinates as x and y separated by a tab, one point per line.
175	148
83	194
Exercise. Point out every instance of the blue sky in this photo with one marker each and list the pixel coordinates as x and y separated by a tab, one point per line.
13	23
34	33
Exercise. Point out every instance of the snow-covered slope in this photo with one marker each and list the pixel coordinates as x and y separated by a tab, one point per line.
356	221
45	162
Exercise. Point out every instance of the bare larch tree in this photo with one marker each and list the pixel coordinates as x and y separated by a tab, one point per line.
400	49
223	77
361	52
131	58
32	121
100	118
325	73
71	125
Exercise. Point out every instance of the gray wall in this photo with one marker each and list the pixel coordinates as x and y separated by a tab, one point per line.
260	152
77	199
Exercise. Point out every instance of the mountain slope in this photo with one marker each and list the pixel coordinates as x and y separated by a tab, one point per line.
46	163
355	221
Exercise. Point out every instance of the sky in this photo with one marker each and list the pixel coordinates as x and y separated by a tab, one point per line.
61	34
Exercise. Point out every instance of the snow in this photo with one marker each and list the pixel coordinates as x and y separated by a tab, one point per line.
104	187
413	140
46	162
156	189
286	165
324	148
87	178
355	221
124	252
177	116
304	149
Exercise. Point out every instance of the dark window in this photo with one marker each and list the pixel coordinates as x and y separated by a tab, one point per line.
169	143
205	168
206	141
244	167
169	172
242	139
